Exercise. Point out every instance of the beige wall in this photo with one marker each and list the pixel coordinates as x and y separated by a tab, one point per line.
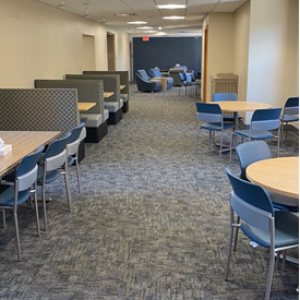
42	42
220	46
273	73
260	43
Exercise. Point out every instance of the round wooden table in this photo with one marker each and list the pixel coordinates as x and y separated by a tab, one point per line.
241	106
279	175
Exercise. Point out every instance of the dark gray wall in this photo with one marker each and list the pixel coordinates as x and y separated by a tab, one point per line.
165	52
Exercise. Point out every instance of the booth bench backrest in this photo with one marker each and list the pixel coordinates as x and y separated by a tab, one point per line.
87	91
124	78
39	110
111	84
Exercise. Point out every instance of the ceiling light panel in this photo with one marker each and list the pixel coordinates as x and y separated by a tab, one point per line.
174	18
171	6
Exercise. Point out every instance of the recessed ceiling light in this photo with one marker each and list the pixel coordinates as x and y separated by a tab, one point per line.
137	22
171	6
174	18
61	5
144	27
124	15
159	28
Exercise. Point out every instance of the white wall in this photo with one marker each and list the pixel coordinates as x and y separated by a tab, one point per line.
273	73
41	42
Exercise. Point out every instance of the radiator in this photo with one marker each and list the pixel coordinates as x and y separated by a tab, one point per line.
224	83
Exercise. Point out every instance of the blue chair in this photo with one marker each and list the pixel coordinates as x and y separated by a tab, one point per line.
49	169
274	230
291	108
13	195
72	150
226	97
212	119
145	83
251	152
156	73
262	121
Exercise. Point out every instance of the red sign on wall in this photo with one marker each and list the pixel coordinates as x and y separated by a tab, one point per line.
145	39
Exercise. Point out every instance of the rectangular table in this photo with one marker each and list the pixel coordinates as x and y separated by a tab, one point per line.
107	94
84	106
23	143
122	86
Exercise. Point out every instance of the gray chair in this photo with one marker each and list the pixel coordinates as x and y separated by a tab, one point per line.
274	230
13	195
50	169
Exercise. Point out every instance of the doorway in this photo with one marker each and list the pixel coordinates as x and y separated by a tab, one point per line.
111	63
88	53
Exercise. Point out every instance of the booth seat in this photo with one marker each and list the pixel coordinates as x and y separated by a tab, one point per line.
111	83
40	110
124	81
87	91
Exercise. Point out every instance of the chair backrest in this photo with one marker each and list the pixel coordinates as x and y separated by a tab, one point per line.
250	152
266	119
26	171
209	112
224	97
182	77
155	73
74	140
292	106
143	75
250	202
55	155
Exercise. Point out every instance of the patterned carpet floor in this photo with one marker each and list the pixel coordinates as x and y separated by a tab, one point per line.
151	223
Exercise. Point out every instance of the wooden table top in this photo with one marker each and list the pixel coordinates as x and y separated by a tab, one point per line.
240	106
122	86
23	143
107	94
279	175
83	106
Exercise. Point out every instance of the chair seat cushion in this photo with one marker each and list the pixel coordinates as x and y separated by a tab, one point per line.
112	106
50	175
288	118
91	120
216	126
230	117
286	203
157	82
170	80
255	134
121	102
106	114
286	231
124	97
7	195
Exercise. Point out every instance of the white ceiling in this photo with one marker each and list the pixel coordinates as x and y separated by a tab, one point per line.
104	11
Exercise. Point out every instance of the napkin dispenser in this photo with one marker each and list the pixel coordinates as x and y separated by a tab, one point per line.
4	149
